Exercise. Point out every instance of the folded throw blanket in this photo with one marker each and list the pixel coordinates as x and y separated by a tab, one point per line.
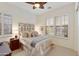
37	40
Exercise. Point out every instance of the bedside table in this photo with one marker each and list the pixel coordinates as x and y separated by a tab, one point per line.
14	44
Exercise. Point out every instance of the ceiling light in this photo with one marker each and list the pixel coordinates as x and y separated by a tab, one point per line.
37	5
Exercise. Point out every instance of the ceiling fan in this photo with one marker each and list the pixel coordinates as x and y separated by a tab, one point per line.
37	4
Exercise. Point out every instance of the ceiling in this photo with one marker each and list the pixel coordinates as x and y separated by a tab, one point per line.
48	6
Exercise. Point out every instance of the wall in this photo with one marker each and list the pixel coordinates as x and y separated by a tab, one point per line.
78	31
18	15
69	10
77	25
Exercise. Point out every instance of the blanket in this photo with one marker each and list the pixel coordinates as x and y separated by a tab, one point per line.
37	40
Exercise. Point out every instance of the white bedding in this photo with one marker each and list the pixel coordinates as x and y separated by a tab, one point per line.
33	39
41	43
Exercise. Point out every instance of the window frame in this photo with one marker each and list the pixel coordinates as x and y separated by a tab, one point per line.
60	26
2	25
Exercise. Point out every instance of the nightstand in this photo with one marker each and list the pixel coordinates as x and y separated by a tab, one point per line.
14	44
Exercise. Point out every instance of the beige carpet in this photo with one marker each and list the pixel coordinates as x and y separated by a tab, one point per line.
61	51
55	51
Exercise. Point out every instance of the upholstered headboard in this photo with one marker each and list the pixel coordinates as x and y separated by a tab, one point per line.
30	34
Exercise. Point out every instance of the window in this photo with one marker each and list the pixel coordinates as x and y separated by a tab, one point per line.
5	24
62	26
50	26
57	26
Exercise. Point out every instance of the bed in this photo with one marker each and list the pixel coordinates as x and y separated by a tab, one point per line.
40	44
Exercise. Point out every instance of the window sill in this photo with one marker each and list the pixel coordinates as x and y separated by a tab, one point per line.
61	37
58	37
8	35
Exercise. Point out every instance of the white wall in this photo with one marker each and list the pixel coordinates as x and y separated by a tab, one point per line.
78	32
69	10
77	26
18	15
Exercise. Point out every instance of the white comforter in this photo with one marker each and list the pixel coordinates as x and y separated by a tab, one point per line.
41	44
34	39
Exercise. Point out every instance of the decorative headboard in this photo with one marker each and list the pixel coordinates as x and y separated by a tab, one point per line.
27	30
